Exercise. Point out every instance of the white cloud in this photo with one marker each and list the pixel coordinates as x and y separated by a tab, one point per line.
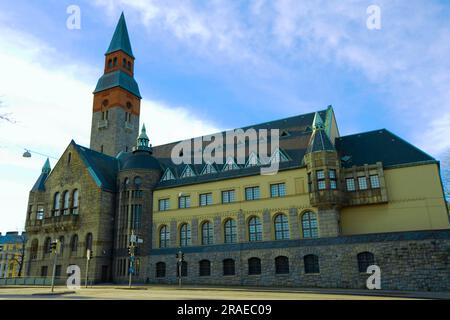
52	104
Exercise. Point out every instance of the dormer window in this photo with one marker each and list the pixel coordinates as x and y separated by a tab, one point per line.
209	169
188	172
230	165
168	175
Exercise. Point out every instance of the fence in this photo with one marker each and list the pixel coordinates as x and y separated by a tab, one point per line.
32	281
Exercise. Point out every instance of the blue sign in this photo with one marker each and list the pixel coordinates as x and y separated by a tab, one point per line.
131	270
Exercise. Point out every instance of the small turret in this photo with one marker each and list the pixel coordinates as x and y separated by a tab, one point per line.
143	142
40	183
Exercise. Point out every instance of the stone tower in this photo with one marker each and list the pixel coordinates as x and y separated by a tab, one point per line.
116	109
323	168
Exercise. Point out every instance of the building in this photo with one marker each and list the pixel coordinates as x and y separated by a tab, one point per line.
337	204
12	250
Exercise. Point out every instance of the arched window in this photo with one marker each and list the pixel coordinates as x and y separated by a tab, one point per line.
74	244
124	62
126	183
204	268
281	227
281	265
89	241
185	235
110	63
56	204
164	237
66	197
34	249
75	202
254	266
129	65
207	233
184	269
115	62
61	245
311	263
365	259
254	229
137	182
160	269
230	234
309	225
48	245
228	267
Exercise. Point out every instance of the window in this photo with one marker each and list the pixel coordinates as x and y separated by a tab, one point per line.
40	213
61	245
44	271
164	237
34	249
281	265
209	169
228	196
252	193
254	229
184	202
320	175
124	62
362	183
204	267
350	182
74	243
228	267
309	182
164	204
205	199
277	190
168	175
160	270
374	181
185	235
230	165
184	269
230	234
254	266
309	225
253	161
207	233
110	63
281	227
278	156
129	65
188	172
333	179
75	202
48	245
365	259
115	61
311	263
136	215
56	204
89	241
66	203
69	157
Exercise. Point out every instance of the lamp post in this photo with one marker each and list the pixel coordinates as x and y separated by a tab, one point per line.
28	152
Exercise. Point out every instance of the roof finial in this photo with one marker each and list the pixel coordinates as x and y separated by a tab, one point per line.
143	141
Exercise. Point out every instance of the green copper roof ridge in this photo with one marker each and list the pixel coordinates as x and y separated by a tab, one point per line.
120	40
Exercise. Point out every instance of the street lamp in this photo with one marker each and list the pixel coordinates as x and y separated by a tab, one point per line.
27	154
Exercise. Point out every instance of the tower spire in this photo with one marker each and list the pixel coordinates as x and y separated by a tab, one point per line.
120	39
143	141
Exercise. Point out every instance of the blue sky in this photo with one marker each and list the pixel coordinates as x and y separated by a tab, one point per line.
209	65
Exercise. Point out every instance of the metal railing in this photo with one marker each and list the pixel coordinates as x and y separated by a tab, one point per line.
32	281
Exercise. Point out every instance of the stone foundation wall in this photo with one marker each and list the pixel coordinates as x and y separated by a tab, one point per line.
416	261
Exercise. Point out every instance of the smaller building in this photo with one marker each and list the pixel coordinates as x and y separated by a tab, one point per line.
12	250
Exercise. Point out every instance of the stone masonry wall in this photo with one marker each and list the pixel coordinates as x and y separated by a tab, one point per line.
408	261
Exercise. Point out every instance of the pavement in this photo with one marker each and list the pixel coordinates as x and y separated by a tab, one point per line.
167	292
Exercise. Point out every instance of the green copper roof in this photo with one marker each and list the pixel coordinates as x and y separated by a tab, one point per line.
46	168
318	122
40	182
118	79
121	40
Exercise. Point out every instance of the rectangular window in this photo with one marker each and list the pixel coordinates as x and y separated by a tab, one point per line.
228	196
184	202
277	190
320	174
309	182
164	204
40	213
374	181
205	199
333	179
362	183
350	182
252	193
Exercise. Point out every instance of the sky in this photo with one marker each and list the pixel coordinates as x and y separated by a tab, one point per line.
205	66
